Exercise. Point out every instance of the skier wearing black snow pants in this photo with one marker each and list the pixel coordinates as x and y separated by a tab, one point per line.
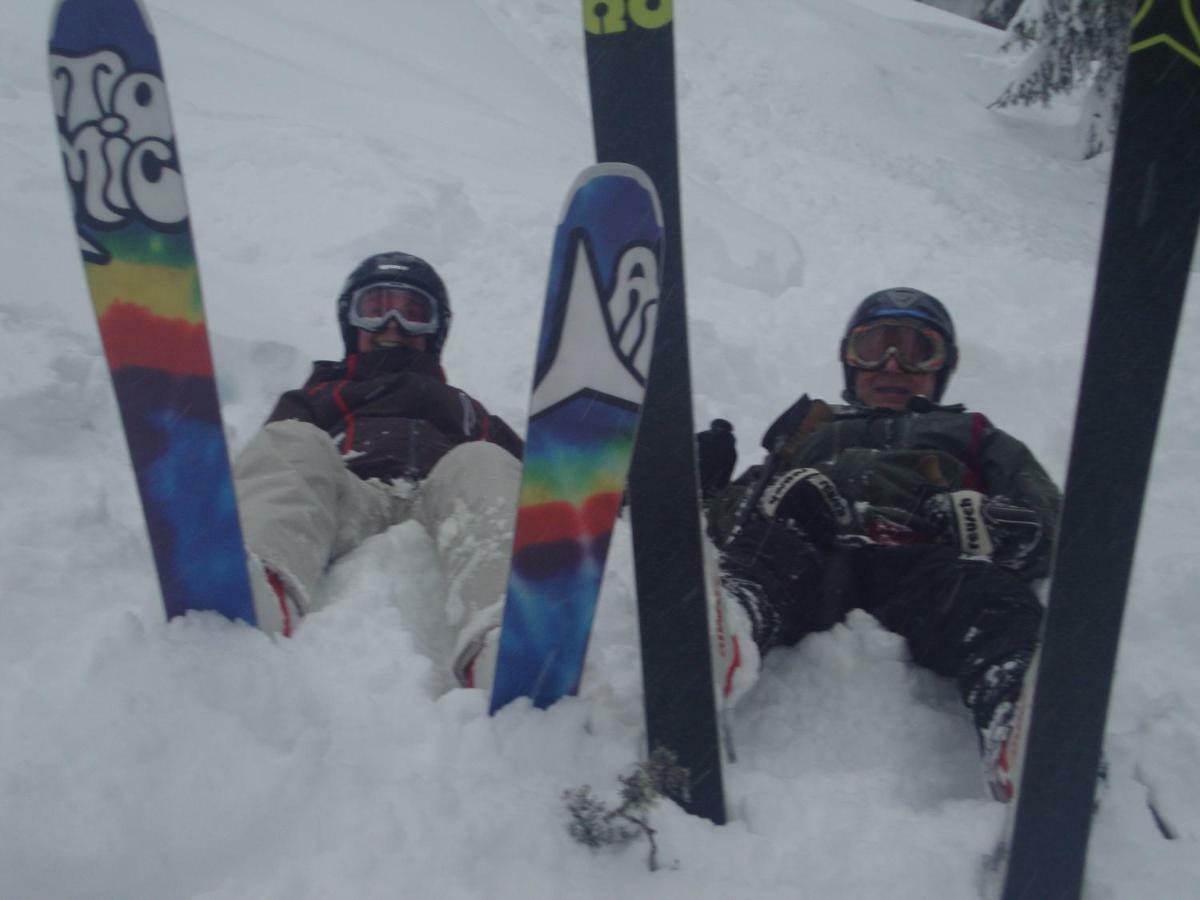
926	516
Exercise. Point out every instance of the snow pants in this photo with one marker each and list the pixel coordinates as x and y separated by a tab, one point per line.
962	617
301	508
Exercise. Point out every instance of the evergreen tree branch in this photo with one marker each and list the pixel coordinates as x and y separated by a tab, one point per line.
1075	43
594	824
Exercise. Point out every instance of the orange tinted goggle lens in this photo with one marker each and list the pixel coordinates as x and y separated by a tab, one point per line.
915	348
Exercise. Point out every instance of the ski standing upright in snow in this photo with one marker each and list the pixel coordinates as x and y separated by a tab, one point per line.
593	358
1145	257
122	168
631	76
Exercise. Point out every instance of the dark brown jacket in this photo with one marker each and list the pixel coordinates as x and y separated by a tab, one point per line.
392	413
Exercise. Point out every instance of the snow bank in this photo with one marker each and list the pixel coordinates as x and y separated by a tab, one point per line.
830	149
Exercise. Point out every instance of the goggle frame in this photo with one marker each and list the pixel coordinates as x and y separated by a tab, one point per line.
378	323
936	360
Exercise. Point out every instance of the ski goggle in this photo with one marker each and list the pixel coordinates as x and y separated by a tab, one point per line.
373	306
916	348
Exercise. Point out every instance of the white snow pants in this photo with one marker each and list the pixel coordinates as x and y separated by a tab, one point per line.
301	508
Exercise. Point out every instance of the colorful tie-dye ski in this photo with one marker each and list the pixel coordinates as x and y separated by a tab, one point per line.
118	148
593	359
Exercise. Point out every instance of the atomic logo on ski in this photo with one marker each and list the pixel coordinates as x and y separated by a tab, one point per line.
118	145
1172	23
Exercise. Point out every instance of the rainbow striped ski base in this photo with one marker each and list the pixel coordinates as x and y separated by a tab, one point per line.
122	168
593	359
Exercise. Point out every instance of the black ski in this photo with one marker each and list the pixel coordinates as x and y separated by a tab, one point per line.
631	74
1145	257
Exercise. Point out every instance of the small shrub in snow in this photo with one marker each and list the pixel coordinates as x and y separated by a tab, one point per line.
595	824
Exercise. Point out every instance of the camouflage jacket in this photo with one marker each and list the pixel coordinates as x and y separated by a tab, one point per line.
888	464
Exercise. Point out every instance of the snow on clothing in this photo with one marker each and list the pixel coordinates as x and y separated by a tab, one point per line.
969	618
368	443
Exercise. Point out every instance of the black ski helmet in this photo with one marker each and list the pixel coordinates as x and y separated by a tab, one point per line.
903	302
402	268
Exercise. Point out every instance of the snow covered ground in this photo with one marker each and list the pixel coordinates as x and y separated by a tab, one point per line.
830	148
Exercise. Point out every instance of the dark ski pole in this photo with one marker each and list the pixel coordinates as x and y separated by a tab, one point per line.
1145	258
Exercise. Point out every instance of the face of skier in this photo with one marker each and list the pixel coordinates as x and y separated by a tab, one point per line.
393	314
894	358
892	387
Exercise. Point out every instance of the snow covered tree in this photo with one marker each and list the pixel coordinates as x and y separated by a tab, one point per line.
996	13
1076	42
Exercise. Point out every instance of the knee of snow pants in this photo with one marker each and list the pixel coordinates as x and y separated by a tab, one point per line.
468	504
963	617
301	507
780	579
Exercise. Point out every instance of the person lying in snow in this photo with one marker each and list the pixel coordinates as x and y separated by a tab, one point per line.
926	516
376	439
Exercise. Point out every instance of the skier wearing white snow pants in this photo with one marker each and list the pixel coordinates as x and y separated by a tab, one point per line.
927	516
374	440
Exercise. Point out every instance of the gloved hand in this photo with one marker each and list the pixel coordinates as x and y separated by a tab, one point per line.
716	453
1016	531
980	525
807	500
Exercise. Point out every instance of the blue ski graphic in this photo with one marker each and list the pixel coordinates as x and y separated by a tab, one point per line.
593	360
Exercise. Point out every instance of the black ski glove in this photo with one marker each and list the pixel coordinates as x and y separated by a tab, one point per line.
716	453
980	525
808	501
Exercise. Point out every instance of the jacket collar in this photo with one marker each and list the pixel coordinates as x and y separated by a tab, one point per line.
392	361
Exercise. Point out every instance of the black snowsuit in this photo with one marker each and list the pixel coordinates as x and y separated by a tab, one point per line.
972	619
